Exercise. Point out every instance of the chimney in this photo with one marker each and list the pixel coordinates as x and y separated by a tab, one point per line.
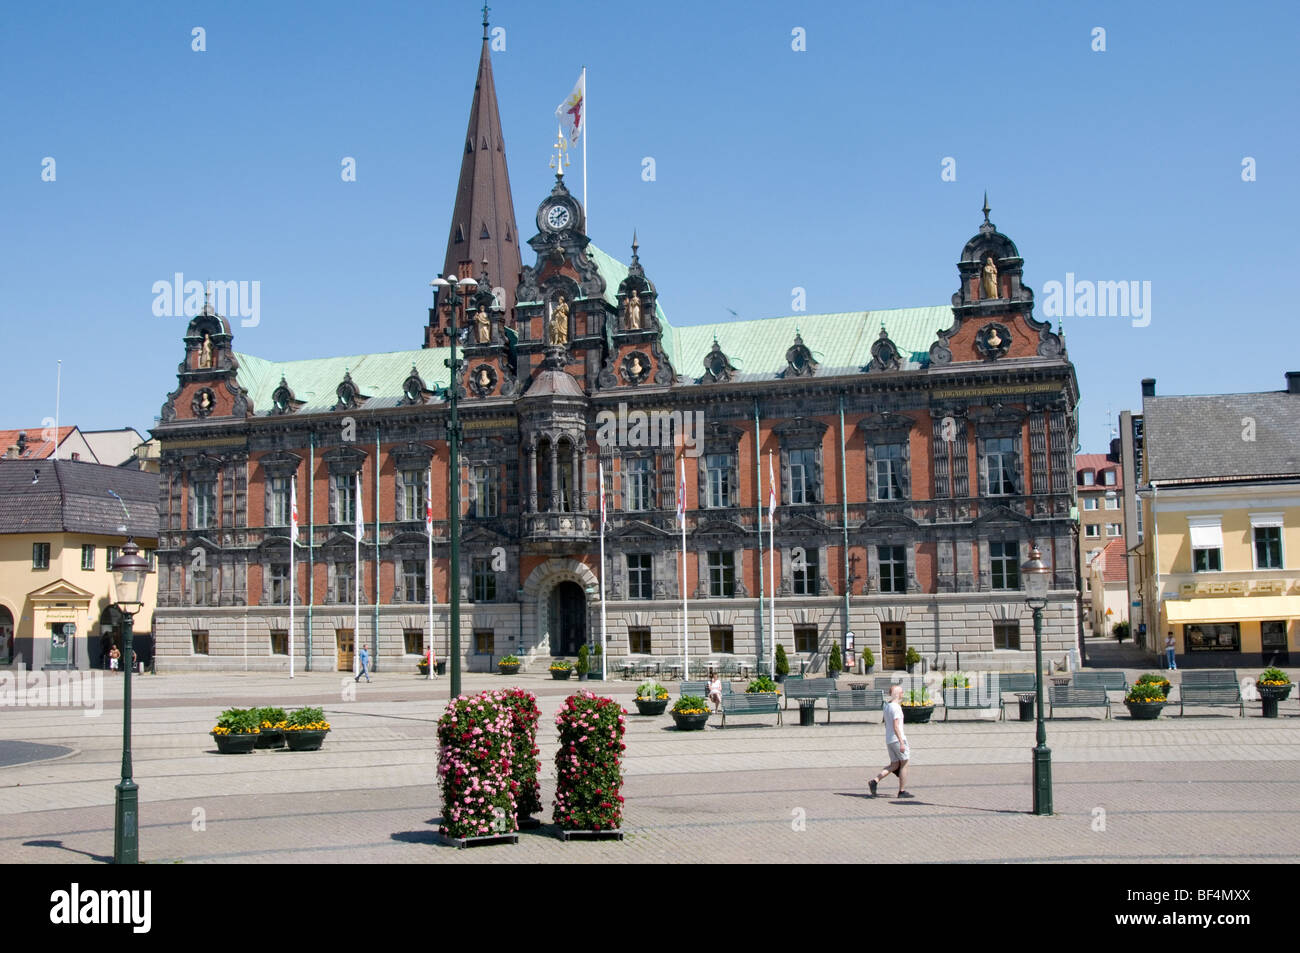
22	442
1148	387
12	453
1293	382
1114	455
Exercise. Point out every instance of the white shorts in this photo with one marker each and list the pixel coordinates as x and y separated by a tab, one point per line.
896	752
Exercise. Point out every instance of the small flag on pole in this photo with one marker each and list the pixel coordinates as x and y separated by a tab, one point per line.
600	476
771	489
293	510
359	526
572	113
428	503
681	496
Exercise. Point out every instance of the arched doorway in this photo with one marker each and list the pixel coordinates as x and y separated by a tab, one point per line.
105	636
568	618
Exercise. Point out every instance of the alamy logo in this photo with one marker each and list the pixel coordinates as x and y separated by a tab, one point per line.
184	299
657	428
53	690
1098	299
73	906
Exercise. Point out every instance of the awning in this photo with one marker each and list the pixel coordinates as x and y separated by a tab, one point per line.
1205	533
1240	609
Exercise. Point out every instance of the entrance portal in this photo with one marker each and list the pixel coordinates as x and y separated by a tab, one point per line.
345	647
893	641
568	618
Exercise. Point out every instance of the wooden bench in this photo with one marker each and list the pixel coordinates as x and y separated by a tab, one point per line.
980	696
813	688
740	703
868	699
1109	681
1018	683
1218	687
1070	696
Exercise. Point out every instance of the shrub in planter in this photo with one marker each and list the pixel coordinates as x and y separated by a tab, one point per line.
1274	685
1145	700
868	659
835	664
911	658
691	712
1152	678
475	735
236	730
305	729
561	669
597	663
508	664
588	764
651	698
918	705
524	766
271	722
761	686
584	664
782	661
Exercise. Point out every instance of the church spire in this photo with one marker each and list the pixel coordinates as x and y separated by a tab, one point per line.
483	220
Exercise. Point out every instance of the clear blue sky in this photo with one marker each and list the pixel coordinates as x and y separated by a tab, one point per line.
775	169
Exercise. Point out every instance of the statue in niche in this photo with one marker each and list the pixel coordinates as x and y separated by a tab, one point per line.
205	352
633	308
558	332
990	279
484	325
636	367
484	380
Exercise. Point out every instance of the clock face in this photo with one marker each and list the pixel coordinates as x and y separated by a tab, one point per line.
557	216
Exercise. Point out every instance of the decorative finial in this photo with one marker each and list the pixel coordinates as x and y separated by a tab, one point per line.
986	207
561	157
635	246
207	298
486	8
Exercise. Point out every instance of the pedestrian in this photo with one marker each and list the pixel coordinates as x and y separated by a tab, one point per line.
714	689
1169	651
114	657
895	744
365	663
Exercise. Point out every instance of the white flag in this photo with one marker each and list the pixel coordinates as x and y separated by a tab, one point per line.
572	113
681	496
428	503
600	476
771	489
360	520
293	510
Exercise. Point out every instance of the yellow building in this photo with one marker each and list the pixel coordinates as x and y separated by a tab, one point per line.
1219	561
62	523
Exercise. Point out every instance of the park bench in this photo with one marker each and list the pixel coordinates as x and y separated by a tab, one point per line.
980	696
702	688
1213	688
1070	696
869	699
1110	681
1017	682
739	703
804	688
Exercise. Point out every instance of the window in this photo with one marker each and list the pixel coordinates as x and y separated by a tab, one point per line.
805	639
205	503
1004	560
279	641
410	490
639	576
803	571
345	589
1267	532
413	641
1114	529
721	639
279	589
1006	635
893	568
278	488
719	479
110	555
484	579
1092	554
200	588
1112	501
1204	637
1090	503
722	574
889	471
484	486
1207	543
1108	477
199	641
1092	530
345	498
40	555
88	557
1089	478
999	460
148	555
413	588
485	641
638	641
803	476
641	484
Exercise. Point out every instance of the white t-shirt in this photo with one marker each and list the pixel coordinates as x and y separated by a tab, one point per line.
893	710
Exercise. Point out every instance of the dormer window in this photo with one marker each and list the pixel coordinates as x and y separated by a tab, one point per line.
1089	477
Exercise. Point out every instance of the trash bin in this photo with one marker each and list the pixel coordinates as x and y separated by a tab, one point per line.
442	667
1026	707
807	713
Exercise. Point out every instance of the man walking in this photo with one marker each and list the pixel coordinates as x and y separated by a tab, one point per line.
896	744
365	663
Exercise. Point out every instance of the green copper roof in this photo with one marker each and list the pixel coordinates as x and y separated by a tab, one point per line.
378	377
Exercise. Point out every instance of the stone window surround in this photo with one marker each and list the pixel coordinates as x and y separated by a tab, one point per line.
801	433
279	465
343	461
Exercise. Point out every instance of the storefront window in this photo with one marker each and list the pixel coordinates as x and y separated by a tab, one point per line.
1208	637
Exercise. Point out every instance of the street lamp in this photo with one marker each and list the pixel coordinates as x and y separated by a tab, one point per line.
1037	581
454	300
130	570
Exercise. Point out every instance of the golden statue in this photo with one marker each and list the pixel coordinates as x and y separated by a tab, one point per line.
990	278
633	307
484	324
205	353
559	329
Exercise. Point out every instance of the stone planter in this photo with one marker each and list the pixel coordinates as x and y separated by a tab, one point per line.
651	706
305	740
422	668
561	674
508	668
780	679
1144	711
270	738
917	714
691	722
235	744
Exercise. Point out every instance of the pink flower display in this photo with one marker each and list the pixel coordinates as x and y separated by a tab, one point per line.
588	764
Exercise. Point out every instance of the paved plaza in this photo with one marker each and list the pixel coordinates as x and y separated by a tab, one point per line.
1210	787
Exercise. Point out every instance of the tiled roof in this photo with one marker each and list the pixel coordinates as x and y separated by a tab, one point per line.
1112	562
1222	436
38	447
378	377
1098	462
52	496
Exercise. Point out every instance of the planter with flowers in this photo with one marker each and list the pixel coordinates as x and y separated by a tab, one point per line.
588	766
1274	685
1145	700
691	713
918	706
651	698
762	685
508	665
524	766
305	729
561	669
475	765
1156	679
271	722
956	688
236	731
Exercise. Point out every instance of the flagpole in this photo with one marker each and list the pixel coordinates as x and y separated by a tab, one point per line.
293	569
771	556
600	475
686	643
428	570
356	578
586	210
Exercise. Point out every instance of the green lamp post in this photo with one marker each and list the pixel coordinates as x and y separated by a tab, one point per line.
130	570
1037	579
